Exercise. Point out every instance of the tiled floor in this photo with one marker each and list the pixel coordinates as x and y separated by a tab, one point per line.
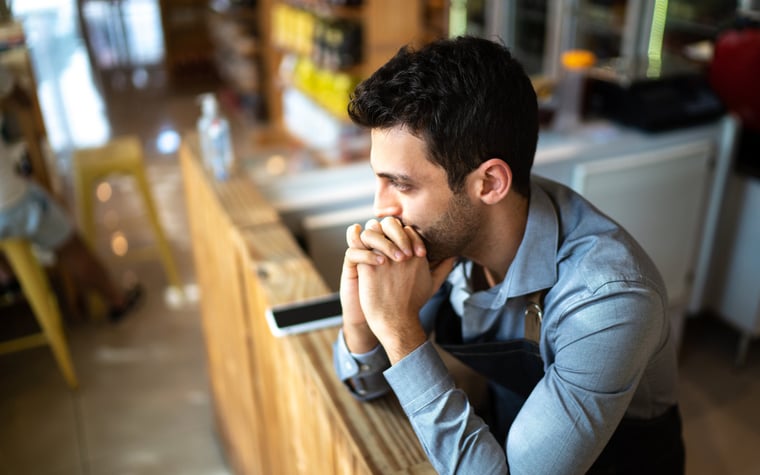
144	405
720	403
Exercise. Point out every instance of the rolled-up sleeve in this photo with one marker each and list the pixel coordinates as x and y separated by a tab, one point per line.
361	372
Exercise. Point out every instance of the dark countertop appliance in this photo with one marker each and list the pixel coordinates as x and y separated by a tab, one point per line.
637	94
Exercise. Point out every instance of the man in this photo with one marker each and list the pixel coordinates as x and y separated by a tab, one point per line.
518	277
27	211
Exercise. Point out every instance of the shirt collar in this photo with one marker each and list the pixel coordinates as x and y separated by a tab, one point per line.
534	266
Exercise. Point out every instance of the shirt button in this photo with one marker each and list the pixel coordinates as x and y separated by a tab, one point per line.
364	367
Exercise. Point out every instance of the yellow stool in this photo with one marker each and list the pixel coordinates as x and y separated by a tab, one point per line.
37	290
122	155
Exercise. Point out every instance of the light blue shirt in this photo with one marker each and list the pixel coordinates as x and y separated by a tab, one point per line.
605	342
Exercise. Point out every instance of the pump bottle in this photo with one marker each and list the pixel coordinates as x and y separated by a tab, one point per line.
215	141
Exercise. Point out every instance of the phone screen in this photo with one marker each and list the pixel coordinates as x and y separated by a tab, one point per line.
306	315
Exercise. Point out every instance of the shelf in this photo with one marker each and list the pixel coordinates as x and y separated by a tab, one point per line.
386	25
324	10
242	75
187	44
691	27
238	12
230	35
355	70
312	125
532	16
598	27
239	49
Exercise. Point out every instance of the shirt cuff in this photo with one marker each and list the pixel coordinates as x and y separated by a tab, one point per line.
419	378
361	372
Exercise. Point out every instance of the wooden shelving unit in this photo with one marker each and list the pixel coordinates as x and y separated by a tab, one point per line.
386	26
435	19
189	51
236	35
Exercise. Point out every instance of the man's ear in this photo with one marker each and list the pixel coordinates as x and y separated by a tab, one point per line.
494	180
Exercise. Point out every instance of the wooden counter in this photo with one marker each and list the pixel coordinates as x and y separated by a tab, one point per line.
278	405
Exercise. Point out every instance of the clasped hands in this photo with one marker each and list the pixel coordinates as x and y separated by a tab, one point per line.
386	280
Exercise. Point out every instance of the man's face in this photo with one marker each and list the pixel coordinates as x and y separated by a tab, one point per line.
415	190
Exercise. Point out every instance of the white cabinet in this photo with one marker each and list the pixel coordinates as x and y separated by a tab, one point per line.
734	280
659	197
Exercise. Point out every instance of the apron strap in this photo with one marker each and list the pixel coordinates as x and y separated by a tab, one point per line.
515	364
534	316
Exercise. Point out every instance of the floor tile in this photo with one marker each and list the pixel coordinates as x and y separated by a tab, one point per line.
39	428
719	401
176	454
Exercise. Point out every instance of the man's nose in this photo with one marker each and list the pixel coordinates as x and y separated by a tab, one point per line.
385	203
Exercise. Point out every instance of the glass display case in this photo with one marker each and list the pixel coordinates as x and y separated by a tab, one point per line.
538	31
523	25
608	28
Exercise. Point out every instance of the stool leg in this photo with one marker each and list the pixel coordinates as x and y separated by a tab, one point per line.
41	299
83	187
163	245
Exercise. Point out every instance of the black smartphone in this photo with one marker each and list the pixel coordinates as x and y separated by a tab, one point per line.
305	315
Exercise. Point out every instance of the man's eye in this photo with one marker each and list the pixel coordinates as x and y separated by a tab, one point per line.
402	186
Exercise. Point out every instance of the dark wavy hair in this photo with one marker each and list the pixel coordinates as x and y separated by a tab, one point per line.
467	98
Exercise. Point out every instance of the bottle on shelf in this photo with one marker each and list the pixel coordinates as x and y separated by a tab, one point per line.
215	139
570	91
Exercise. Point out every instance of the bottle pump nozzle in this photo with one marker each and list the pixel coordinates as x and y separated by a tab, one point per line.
209	106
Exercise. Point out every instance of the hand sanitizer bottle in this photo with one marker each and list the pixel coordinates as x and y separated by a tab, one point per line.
214	135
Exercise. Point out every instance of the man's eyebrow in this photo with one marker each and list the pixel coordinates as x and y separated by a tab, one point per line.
395	177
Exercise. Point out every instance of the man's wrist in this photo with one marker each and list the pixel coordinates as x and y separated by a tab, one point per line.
404	343
359	338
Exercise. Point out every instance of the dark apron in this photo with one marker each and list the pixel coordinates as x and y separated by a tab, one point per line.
514	367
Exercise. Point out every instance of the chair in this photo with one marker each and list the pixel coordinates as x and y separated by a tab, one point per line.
122	155
35	286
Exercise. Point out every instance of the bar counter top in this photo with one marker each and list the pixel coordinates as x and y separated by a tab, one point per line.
279	407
